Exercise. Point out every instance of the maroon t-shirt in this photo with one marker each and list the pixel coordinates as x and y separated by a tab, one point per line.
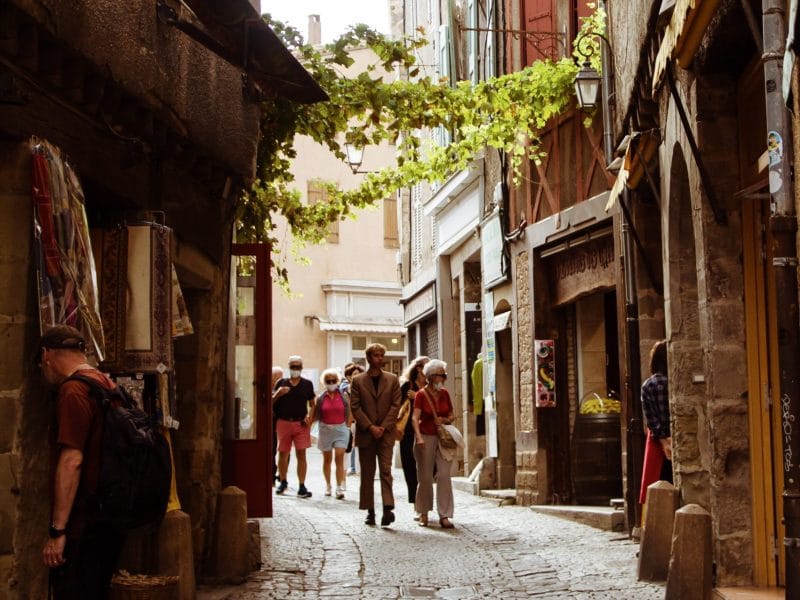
443	404
80	426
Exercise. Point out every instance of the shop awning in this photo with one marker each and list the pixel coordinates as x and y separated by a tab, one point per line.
790	56
235	31
389	325
682	35
640	150
501	321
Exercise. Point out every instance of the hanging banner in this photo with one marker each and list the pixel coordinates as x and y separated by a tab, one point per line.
545	361
66	276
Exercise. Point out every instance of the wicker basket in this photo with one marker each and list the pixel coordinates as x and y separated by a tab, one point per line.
125	586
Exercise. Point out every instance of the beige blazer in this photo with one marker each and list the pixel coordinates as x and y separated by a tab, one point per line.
370	407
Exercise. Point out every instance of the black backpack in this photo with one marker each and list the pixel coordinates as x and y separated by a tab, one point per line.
136	468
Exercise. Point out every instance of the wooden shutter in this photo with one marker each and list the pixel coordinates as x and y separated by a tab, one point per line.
538	18
317	193
390	237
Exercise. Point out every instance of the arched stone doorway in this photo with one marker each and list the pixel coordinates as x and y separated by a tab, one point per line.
686	351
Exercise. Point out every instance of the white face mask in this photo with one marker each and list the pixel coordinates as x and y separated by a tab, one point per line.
294	373
331	387
438	385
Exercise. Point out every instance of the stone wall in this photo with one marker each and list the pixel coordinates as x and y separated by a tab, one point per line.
26	413
705	325
527	455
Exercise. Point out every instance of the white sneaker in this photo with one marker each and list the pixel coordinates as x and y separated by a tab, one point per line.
339	493
328	490
344	485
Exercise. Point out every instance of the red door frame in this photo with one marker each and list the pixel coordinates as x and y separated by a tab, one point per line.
248	464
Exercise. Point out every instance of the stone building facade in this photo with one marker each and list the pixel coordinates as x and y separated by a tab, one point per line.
135	105
704	277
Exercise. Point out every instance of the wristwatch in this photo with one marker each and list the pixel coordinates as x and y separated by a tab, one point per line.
56	533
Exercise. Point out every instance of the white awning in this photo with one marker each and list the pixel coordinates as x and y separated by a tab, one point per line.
501	321
390	326
682	36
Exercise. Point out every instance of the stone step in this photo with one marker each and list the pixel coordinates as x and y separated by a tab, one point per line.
748	593
600	517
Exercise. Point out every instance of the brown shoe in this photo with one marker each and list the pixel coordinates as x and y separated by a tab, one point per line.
445	523
423	520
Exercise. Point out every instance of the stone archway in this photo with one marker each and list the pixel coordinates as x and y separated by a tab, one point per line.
686	350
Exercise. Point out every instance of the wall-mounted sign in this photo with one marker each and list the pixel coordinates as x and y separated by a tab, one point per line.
420	305
583	269
544	357
492	255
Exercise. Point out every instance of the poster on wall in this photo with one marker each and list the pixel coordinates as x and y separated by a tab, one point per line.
545	361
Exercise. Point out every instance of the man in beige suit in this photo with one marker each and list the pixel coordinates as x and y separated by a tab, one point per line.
374	402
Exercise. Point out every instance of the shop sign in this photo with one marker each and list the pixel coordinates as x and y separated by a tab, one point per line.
493	259
544	356
581	270
420	305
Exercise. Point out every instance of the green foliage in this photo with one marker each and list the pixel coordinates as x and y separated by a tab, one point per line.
506	113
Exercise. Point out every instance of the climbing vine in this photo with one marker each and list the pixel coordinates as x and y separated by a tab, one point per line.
505	112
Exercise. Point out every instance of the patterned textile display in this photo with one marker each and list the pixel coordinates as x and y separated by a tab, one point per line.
136	296
66	276
181	323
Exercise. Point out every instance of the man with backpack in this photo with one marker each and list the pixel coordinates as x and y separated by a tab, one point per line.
81	555
101	440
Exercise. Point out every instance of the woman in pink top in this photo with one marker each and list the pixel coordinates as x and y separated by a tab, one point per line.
333	411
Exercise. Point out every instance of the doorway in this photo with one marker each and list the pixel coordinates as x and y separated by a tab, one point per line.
246	458
763	392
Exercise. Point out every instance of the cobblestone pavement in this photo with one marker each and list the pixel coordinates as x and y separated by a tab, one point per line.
320	548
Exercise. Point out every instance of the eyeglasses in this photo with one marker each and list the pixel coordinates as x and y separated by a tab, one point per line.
329	381
442	375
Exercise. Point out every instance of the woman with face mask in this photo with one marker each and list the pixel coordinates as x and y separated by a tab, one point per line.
332	408
433	407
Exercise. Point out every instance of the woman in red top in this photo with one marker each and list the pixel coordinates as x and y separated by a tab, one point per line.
426	449
333	411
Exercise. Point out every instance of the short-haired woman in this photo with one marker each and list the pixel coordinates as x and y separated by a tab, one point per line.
433	407
333	411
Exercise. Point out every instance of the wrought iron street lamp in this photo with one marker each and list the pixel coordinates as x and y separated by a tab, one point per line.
587	86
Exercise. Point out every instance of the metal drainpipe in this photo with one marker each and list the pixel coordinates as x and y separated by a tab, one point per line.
783	226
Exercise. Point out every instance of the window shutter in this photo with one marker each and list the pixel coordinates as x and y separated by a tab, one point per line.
473	68
316	192
390	237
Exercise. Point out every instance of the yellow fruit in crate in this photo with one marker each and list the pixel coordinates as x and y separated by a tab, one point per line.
600	406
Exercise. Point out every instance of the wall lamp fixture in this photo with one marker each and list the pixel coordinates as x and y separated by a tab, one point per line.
588	80
354	156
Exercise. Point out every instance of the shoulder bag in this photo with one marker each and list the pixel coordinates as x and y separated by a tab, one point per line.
445	439
402	419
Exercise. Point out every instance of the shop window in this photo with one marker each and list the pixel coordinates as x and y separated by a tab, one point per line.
359	342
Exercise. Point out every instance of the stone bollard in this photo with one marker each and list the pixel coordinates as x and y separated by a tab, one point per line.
175	556
690	563
662	501
254	546
232	538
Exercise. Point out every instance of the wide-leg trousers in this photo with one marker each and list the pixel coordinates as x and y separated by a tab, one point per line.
427	456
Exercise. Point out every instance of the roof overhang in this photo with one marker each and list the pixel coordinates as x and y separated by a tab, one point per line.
235	31
389	325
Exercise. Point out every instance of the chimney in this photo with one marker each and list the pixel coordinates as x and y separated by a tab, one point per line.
314	30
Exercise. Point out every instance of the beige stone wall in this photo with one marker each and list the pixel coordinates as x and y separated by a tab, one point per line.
705	325
529	459
25	412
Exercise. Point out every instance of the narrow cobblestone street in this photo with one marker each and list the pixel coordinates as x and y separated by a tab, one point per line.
320	548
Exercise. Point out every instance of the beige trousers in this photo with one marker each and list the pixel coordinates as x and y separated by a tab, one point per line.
427	456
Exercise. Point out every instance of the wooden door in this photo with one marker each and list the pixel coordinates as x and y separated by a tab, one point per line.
763	393
247	446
